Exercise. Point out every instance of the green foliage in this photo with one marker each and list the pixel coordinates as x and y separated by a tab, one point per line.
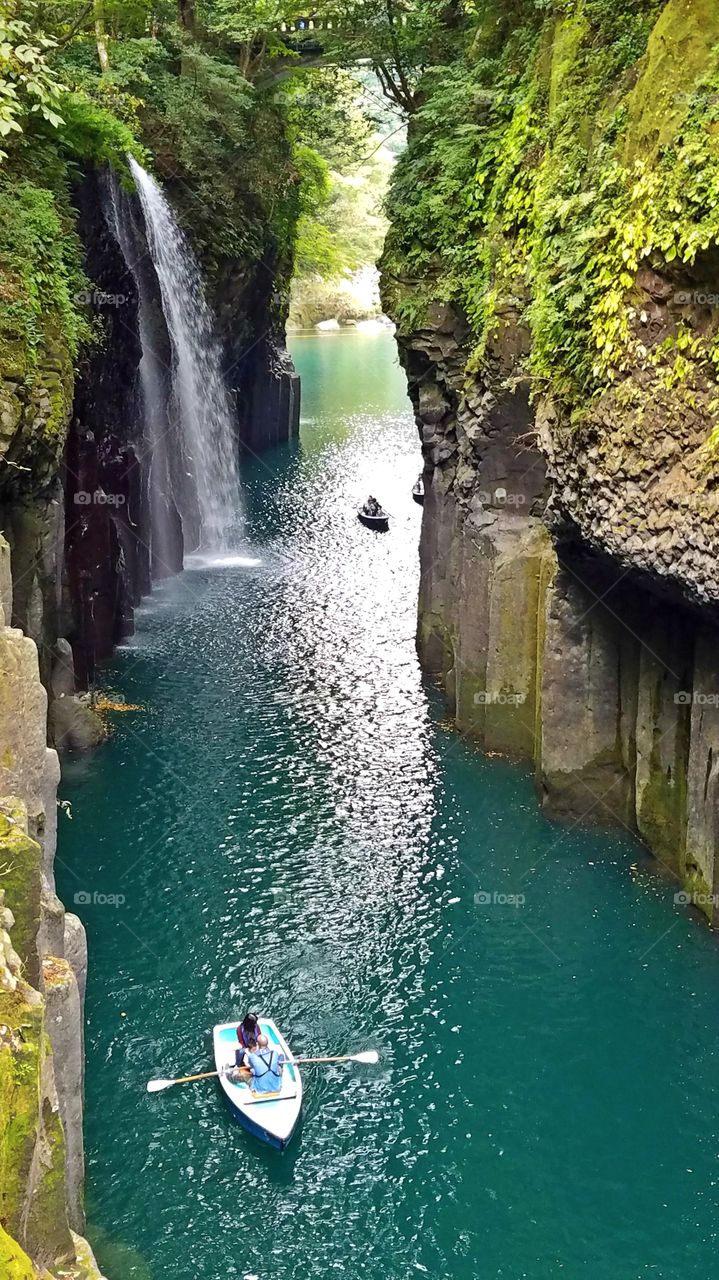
339	227
91	132
42	253
520	186
342	228
259	162
327	109
28	86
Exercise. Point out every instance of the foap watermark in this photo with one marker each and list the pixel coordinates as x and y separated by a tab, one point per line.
483	898
83	898
99	298
84	498
491	698
687	699
685	899
501	497
695	298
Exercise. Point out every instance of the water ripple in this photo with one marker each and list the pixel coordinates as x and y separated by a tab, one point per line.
292	829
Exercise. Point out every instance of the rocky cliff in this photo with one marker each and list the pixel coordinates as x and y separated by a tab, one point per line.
558	325
42	971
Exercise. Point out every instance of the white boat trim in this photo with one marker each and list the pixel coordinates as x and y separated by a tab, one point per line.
279	1113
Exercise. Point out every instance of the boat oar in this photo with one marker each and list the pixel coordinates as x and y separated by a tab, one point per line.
154	1086
370	1055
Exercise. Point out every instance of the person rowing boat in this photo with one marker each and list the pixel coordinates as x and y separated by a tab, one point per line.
373	516
265	1066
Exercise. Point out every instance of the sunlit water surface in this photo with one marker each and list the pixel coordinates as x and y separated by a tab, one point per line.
294	829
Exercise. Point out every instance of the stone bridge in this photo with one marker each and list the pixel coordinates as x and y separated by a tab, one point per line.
304	35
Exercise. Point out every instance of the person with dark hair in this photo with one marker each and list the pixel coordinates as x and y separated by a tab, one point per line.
247	1034
249	1029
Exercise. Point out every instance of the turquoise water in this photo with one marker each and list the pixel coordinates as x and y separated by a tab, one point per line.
293	828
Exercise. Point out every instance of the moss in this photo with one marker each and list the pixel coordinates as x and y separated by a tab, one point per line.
699	891
547	574
14	1264
47	1232
42	325
663	806
20	864
32	1144
564	44
21	1049
540	175
680	50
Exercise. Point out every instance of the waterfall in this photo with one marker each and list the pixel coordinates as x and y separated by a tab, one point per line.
199	395
164	535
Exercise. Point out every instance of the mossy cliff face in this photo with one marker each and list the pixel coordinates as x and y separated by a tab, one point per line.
551	267
71	415
41	1156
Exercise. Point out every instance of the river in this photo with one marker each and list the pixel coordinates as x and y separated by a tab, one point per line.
291	826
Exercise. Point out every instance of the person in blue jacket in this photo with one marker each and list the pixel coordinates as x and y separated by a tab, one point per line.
265	1066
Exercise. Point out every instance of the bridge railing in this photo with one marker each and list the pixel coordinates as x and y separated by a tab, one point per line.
312	24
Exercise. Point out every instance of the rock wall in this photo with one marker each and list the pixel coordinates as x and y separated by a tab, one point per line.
548	649
42	970
551	266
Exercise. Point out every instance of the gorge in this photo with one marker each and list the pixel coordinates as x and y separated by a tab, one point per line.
287	817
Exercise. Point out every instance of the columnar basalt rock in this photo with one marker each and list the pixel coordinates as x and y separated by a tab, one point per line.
41	1143
558	322
552	644
553	650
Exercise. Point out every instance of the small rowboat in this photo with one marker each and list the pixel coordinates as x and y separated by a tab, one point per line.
418	491
380	522
272	1117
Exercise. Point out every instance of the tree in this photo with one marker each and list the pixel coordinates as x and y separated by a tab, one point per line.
101	35
188	15
400	37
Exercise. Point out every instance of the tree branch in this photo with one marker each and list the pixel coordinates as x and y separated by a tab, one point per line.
392	89
77	24
397	54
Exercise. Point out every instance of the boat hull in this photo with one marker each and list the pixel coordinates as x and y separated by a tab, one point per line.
279	1144
273	1119
379	523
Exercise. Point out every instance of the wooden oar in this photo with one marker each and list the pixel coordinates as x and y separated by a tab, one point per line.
370	1055
154	1086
